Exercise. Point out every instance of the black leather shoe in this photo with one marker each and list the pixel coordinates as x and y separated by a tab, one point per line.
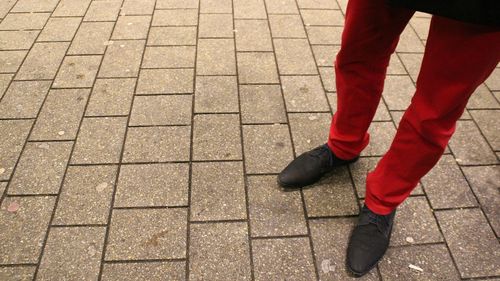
309	167
369	241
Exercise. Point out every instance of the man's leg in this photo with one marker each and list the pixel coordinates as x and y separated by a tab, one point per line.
457	59
371	33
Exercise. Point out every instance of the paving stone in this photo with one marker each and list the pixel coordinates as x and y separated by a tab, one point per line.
42	61
61	114
446	187
294	57
325	54
157	144
176	4
122	59
281	7
103	11
330	238
165	81
484	180
435	261
41	168
216	94
23	231
217	191
271	140
486	120
216	6
23	21
3	186
71	8
262	104
256	68
91	38
4	83
100	140
398	92
17	40
219	251
327	75
249	9
73	253
131	27
482	98
283	259
304	93
153	271
20	273
360	170
143	234
324	34
309	130
152	185
323	17
272	211
412	63
396	66
216	25
216	137
14	134
60	29
161	110
473	245
11	60
253	35
169	57
111	97
415	219
35	6
467	152
216	57
77	72
332	196
421	26
381	136
172	35
175	17
23	99
86	195
6	6
134	7
409	42
317	4
493	82
289	26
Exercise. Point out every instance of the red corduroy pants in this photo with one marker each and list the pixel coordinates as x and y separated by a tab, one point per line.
458	58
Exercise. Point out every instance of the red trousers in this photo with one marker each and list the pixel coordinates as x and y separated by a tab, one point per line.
458	58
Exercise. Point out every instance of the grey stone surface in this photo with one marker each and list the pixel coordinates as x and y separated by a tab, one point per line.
272	211
216	25
217	191
253	35
331	196
322	17
473	245
122	59
169	57
398	91
482	98
100	140
42	61
59	29
111	97
11	144
133	7
262	104
61	114
131	27
324	34
327	75
216	137
77	72
137	234
91	38
175	17
23	99
172	35
294	56
283	259
157	144
11	60
304	93
257	68
35	6
165	81
23	231
149	185
249	9
287	26
68	8
216	57
467	152
485	119
309	130
216	94
281	6
86	195
381	136
103	10
177	4
73	253
21	21
325	54
161	110
271	140
154	271
19	39
41	168
317	4
216	6
20	273
219	251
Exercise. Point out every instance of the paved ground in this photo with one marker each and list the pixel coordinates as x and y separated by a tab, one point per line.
140	140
